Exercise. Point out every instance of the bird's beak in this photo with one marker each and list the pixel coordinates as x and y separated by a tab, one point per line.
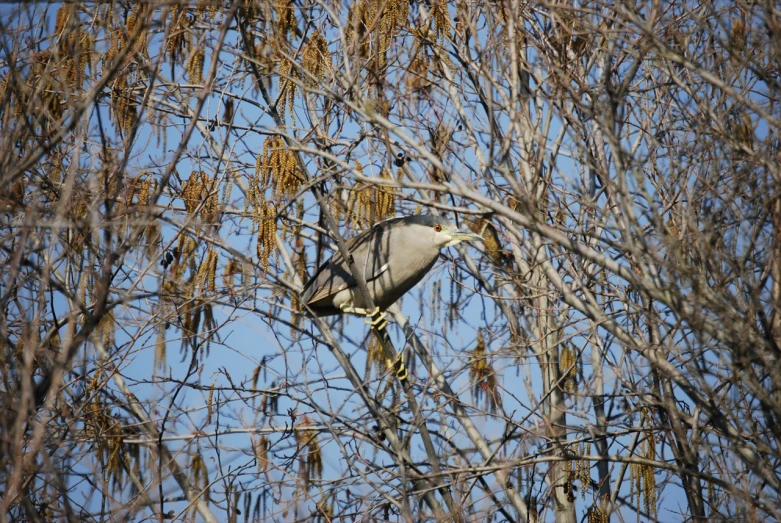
458	237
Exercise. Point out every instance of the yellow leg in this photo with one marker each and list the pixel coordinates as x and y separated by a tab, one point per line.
398	367
377	319
349	309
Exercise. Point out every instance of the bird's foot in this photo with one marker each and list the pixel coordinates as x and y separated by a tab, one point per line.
377	319
398	367
349	309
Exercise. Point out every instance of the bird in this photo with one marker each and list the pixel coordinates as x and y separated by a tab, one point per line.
394	255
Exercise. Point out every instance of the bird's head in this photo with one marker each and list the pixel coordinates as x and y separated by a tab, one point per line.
445	234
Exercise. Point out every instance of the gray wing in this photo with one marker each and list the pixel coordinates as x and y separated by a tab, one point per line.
369	251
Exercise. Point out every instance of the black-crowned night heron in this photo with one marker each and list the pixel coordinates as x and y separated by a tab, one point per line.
394	256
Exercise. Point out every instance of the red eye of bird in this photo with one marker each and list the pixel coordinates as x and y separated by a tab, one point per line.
438	228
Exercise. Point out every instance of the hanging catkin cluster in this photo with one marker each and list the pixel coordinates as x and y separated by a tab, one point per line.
199	476
261	454
317	59
134	22
568	367
195	66
286	17
375	357
123	93
276	167
386	199
597	514
441	19
482	376
140	188
368	204
109	447
287	90
232	268
123	106
200	196
311	466
372	24
206	278
416	79
642	481
179	41
265	218
492	245
580	469
359	202
74	46
138	198
207	8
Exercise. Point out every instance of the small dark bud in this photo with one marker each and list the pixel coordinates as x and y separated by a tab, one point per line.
168	258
